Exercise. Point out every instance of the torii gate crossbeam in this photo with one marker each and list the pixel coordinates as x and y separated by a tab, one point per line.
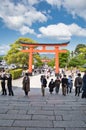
31	48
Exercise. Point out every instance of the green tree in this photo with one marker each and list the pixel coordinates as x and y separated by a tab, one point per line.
78	47
37	60
51	63
15	55
1	57
75	62
64	59
80	58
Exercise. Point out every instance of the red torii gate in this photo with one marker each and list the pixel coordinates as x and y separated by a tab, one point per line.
31	48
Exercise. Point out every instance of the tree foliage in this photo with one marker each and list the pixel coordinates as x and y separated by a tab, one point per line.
74	62
1	57
80	57
63	59
37	60
78	47
15	55
51	63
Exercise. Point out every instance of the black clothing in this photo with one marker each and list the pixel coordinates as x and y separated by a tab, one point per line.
9	85
51	86
43	84
64	85
64	81
57	85
78	85
84	86
3	78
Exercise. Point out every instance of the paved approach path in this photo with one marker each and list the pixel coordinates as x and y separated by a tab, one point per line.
52	112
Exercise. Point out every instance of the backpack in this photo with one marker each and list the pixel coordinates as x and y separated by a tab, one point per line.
79	82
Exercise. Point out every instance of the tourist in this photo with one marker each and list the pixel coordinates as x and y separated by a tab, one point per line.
84	86
57	84
43	84
9	84
26	84
78	84
3	78
70	84
51	86
64	85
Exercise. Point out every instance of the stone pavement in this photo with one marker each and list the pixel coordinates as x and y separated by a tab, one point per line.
52	112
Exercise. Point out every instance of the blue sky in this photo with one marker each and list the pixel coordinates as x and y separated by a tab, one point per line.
45	21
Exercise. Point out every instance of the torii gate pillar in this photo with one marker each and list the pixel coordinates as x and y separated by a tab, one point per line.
31	48
30	61
56	61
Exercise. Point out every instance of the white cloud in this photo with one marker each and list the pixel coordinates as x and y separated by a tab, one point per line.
32	2
77	30
57	3
4	49
26	29
62	31
74	7
17	15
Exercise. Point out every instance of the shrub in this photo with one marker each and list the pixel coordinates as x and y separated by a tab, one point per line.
82	69
16	73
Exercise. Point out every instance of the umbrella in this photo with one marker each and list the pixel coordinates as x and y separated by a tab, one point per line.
84	66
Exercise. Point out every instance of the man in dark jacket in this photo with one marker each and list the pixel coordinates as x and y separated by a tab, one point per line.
84	86
43	84
64	85
78	84
9	84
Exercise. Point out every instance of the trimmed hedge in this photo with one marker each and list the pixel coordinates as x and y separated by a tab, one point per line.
16	73
82	69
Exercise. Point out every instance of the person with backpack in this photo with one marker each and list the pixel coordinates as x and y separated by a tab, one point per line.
78	84
64	82
57	84
70	84
43	84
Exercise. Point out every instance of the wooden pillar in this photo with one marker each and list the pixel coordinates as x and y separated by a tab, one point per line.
30	60
56	61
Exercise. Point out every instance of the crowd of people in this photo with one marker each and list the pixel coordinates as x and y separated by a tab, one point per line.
66	84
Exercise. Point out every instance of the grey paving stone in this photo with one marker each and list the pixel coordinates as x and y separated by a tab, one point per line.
74	117
70	124
6	122
21	108
40	112
33	123
59	118
45	129
62	107
15	117
43	117
62	112
75	128
11	128
3	110
12	111
22	112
